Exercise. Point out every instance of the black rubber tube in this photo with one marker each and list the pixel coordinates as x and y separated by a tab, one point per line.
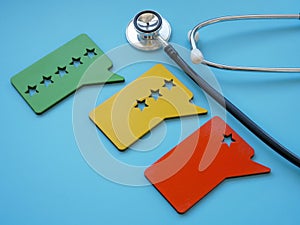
231	108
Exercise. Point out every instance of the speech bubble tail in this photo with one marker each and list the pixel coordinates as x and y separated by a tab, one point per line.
115	78
250	168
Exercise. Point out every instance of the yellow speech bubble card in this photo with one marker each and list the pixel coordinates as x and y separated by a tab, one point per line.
143	104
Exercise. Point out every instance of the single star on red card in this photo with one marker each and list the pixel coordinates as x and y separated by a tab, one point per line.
201	162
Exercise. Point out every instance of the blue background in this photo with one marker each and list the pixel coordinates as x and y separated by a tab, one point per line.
45	180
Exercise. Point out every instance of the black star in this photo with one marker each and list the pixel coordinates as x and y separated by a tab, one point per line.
31	90
47	81
90	53
75	62
141	104
169	84
61	71
155	94
228	139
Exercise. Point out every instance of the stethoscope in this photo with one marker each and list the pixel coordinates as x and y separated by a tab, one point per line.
149	31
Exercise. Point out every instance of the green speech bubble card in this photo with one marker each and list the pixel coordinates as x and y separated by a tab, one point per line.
60	73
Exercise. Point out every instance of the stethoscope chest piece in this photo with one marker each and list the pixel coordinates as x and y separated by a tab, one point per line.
143	30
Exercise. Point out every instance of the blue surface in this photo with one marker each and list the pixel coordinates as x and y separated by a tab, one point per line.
44	178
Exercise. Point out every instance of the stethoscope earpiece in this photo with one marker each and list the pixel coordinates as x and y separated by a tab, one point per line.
196	56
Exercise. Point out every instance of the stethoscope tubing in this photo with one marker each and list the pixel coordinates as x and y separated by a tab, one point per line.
231	108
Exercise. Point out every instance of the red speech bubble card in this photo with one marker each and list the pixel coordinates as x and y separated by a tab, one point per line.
201	162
